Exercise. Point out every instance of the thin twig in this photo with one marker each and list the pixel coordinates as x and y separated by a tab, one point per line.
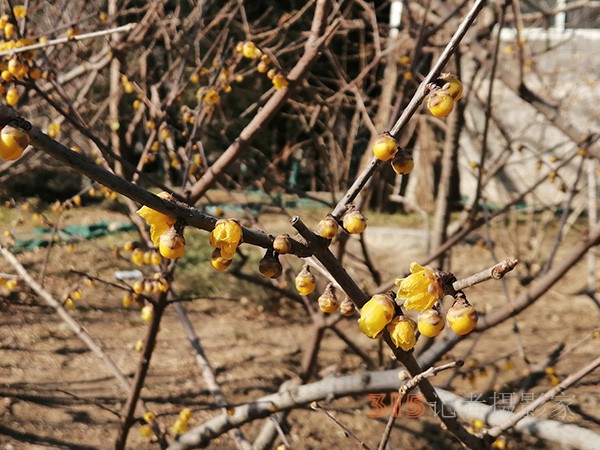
347	431
496	272
63	40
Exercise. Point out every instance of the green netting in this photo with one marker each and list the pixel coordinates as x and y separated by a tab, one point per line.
70	233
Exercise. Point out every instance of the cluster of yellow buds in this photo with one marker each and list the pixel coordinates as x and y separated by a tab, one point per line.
386	148
551	376
165	233
19	66
103	191
379	313
353	222
445	91
155	285
249	50
73	296
142	257
146	429
182	424
128	86
225	239
9	283
421	290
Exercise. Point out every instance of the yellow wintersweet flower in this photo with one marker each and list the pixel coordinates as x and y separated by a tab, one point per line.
20	12
159	222
375	315
226	236
402	332
421	289
279	82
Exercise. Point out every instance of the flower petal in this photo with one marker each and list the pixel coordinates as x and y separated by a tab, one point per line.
416	268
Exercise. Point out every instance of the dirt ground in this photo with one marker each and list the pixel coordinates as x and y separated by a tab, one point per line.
54	393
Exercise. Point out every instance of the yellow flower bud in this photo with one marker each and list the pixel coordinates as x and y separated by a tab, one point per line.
402	332
163	285
155	259
20	12
440	103
462	317
218	262
139	345
137	257
147	313
12	143
171	244
375	315
430	323
149	416
262	67
305	281
328	227
73	31
347	308
282	244
385	147
248	49
146	431
452	85
279	81
12	96
354	222
403	164
127	299
9	31
185	414
180	426
328	302
138	287
269	265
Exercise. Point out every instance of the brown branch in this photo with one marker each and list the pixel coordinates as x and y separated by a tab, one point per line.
141	372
